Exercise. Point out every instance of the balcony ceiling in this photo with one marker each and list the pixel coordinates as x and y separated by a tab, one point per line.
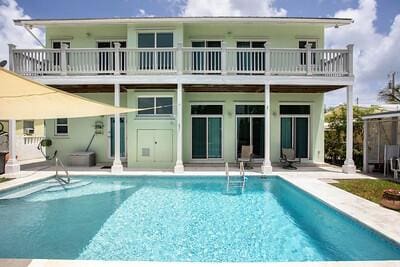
108	88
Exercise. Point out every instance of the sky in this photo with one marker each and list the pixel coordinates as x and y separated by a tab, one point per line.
375	31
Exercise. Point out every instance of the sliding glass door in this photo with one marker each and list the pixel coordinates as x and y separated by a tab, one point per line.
250	129
206	131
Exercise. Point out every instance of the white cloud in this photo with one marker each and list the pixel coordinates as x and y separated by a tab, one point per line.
375	54
231	8
143	13
9	33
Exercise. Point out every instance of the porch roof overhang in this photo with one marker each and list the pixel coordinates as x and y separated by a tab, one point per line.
21	98
382	115
326	22
229	88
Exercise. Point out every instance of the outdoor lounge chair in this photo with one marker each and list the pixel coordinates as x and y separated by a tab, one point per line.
289	158
246	156
395	167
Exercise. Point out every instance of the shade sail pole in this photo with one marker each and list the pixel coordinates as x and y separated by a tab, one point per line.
117	165
12	167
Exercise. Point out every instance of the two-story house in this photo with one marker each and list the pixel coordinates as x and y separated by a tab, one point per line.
206	86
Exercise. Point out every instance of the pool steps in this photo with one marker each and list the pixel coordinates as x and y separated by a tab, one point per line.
235	183
48	186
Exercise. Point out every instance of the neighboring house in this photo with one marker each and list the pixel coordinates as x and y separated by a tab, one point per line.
29	133
207	86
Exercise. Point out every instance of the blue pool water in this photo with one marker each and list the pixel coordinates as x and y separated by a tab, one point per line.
183	219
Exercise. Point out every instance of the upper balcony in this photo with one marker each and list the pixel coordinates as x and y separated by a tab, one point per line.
183	61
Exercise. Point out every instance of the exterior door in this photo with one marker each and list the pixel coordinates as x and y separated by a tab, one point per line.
295	134
154	146
122	137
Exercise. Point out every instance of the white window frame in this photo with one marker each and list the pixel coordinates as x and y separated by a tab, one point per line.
251	128
221	116
156	32
56	124
122	116
111	41
61	42
154	107
293	116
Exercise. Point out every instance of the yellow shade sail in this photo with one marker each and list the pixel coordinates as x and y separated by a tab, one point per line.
24	99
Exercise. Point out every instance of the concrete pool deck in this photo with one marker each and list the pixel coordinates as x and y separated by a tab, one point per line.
313	180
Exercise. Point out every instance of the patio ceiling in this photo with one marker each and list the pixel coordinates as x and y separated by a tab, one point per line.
104	88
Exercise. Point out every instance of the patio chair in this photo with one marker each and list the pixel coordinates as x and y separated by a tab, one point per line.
246	156
289	158
395	167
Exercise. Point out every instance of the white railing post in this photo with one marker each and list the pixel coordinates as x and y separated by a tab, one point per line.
223	59
350	48
11	48
267	67
116	58
308	59
179	59
63	59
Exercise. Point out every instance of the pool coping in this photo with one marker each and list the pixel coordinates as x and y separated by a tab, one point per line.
379	219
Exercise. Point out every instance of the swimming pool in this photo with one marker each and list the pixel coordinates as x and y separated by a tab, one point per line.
180	219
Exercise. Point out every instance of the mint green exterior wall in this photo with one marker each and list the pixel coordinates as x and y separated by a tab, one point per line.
229	120
81	130
277	35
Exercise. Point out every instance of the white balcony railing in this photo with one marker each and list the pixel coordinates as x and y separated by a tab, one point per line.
183	60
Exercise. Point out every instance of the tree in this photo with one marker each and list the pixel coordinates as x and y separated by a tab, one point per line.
335	133
391	93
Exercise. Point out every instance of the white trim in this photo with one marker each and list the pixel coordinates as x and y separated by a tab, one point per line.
56	133
381	116
154	106
122	116
328	22
111	41
207	116
293	116
155	37
61	41
250	116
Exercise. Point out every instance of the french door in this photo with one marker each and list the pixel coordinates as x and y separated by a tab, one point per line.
206	137
250	132
208	61
106	59
295	134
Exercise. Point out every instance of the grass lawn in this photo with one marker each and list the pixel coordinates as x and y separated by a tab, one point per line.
3	179
366	188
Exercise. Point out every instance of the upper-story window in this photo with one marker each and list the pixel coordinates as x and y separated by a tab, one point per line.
107	59
61	126
56	56
161	60
250	61
155	105
303	56
209	61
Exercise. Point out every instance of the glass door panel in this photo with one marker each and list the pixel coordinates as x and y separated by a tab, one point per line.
258	137
286	133
301	137
214	138
122	137
146	58
243	133
199	138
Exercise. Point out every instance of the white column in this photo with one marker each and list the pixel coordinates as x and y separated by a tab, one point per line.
349	166
117	165
266	167
365	147
179	164
12	167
